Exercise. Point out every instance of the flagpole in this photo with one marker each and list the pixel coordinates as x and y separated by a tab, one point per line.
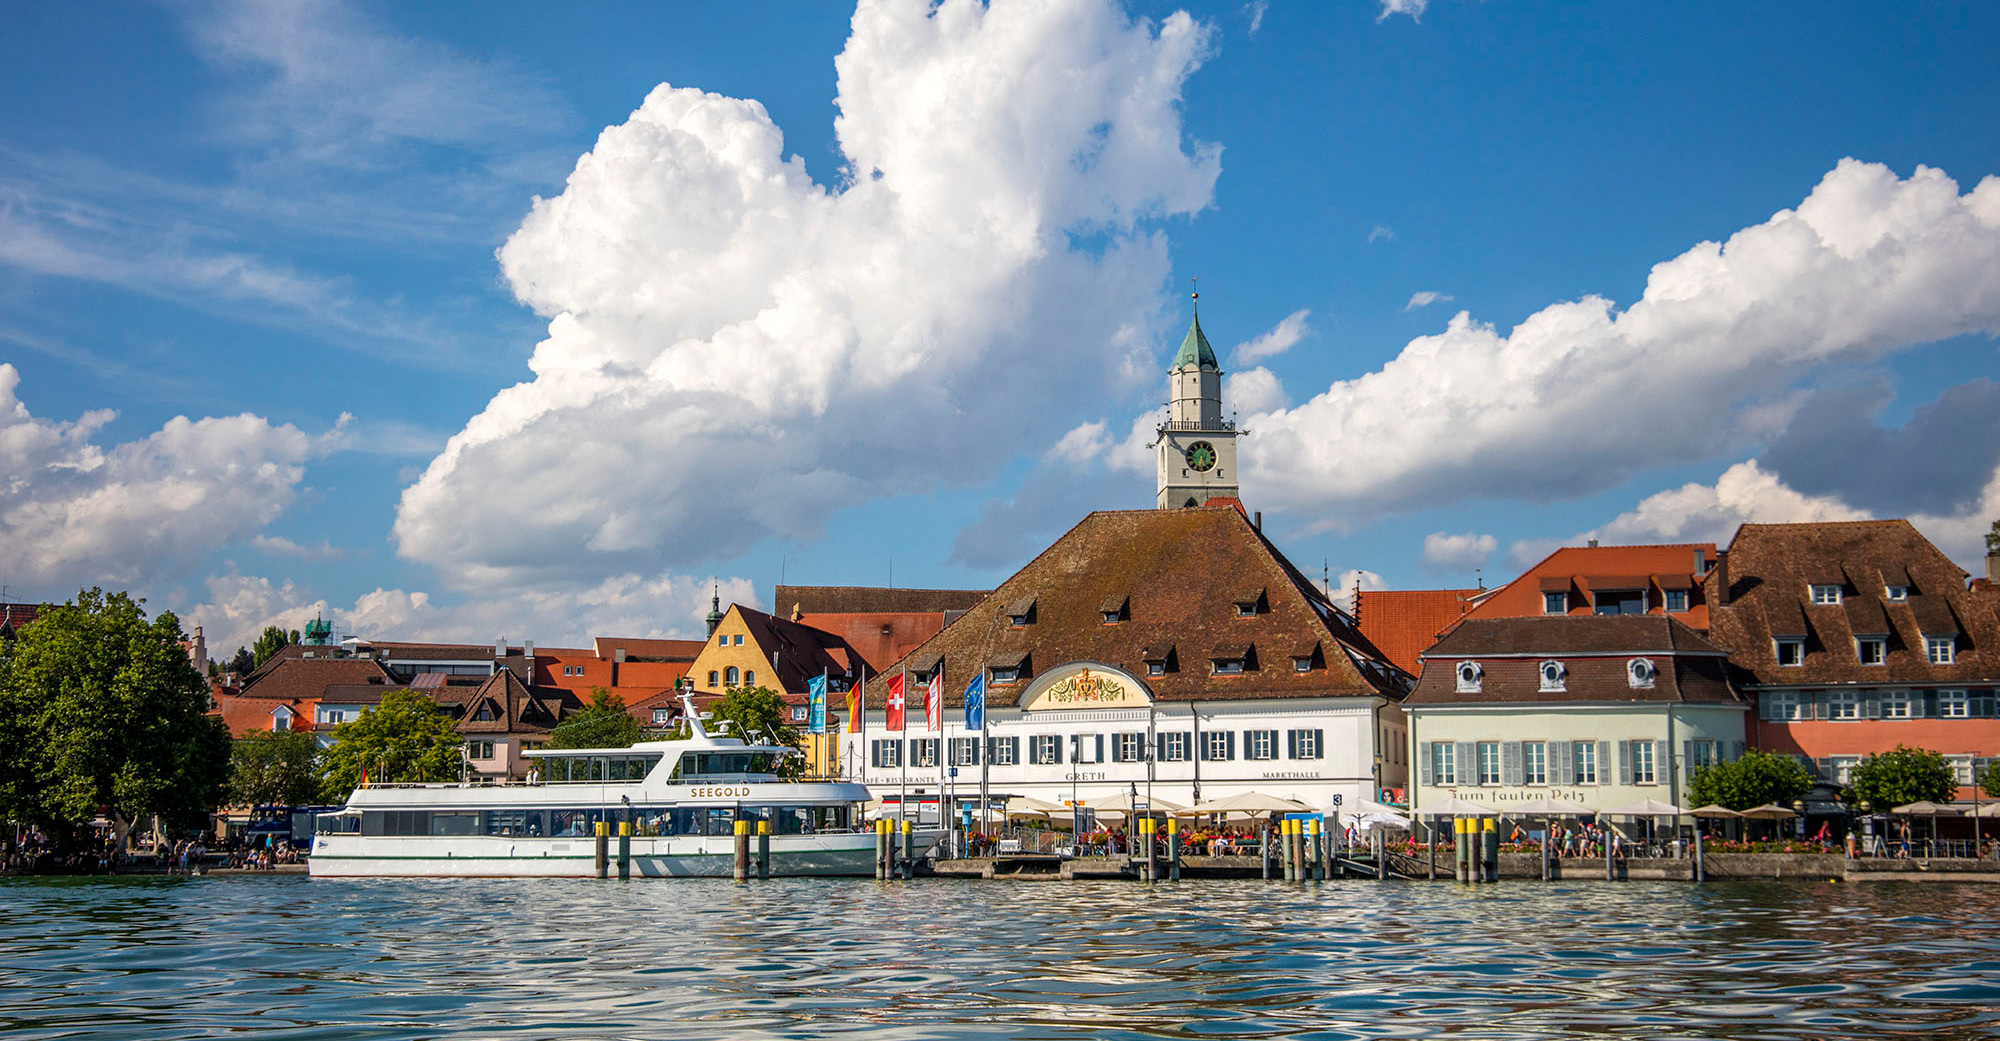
903	756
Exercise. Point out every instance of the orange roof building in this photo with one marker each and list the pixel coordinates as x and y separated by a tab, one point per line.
1664	579
1403	623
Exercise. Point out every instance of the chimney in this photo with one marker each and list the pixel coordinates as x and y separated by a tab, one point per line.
1700	562
500	647
1721	578
528	649
1257	520
1993	565
1593	543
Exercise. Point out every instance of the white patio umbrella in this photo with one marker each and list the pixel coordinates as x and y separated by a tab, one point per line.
1122	802
1648	808
1713	810
1770	811
1547	807
1456	807
1029	806
1254	804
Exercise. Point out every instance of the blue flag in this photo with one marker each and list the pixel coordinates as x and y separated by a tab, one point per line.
816	704
975	702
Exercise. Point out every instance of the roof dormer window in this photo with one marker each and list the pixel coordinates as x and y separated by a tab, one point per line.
1941	650
1640	673
1825	593
1897	592
1249	603
1790	650
1232	661
1115	608
1471	677
1871	650
1555	676
1021	613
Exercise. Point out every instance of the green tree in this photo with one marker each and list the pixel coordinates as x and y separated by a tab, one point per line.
1755	779
604	723
405	737
101	711
1904	776
1993	538
271	642
244	663
279	766
1989	782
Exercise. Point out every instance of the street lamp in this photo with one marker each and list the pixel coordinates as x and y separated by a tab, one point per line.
1867	826
1799	807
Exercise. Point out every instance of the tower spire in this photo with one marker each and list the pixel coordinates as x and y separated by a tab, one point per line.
714	607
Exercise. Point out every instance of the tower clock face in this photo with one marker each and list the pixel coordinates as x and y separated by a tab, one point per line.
1201	457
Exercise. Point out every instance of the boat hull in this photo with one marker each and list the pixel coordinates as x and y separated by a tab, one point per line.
349	856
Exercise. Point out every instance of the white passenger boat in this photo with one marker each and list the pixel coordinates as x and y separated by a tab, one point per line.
682	800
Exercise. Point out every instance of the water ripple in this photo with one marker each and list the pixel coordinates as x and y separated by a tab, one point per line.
286	958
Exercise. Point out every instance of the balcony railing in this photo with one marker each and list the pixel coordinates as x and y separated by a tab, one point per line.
1190	424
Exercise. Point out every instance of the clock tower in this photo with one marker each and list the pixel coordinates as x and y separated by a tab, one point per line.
1197	447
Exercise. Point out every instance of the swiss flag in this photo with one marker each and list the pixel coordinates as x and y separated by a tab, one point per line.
934	702
895	707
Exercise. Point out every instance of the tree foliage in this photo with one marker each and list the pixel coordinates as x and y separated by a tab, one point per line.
101	710
405	737
1904	776
1753	780
244	663
279	766
1989	782
272	640
604	723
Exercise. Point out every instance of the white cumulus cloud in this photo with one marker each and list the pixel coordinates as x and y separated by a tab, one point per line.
734	350
1276	340
74	512
1446	551
1425	298
1413	8
1346	582
1867	264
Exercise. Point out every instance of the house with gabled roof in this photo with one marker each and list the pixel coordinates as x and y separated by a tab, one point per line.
1174	651
1855	637
750	648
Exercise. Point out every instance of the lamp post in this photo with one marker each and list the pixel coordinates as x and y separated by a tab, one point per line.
1867	826
1799	807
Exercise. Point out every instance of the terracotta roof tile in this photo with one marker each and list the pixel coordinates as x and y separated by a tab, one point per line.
1579	570
1403	622
869	599
1182	570
300	677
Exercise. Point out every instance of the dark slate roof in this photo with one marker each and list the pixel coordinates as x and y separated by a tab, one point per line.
510	705
1770	568
1180	573
870	600
802	651
1594	649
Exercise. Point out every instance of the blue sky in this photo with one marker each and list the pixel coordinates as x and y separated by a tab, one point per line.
924	341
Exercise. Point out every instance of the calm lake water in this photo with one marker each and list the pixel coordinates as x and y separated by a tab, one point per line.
285	958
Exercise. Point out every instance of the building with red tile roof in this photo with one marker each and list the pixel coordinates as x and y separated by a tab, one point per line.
1593	579
1402	623
1858	636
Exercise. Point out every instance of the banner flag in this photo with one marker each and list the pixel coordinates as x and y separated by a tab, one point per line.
816	704
857	703
975	702
894	711
934	701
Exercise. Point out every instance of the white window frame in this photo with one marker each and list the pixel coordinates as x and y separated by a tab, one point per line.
1444	763
1941	650
1534	763
1825	594
1798	646
1471	677
1896	704
1308	744
1002	751
1954	704
1785	706
1560	601
886	753
1843	705
1677	601
1700	754
1173	747
1045	749
1584	765
964	751
1640	673
1260	744
1488	756
1896	592
923	752
1878	644
1554	675
1216	746
1644	769
1128	747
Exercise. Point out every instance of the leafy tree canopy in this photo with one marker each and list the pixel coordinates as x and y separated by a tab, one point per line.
271	642
604	723
279	766
100	709
1755	779
1989	782
243	663
1993	538
1904	776
405	737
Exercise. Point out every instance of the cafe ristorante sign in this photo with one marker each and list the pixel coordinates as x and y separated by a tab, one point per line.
1086	685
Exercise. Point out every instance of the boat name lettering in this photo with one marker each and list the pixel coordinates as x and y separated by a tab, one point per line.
717	793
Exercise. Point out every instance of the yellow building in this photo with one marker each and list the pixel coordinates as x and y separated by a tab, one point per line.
748	648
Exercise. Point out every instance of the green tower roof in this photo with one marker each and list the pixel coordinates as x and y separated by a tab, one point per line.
1195	351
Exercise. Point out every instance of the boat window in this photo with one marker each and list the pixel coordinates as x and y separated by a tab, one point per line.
724	765
516	822
454	823
582	769
338	824
396	822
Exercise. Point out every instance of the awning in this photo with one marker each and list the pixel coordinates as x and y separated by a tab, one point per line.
1600	583
1647	808
1456	807
1555	585
1675	581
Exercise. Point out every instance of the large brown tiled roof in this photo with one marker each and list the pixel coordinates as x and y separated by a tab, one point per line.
510	705
1770	568
288	677
1584	571
433	651
880	637
1180	574
15	616
1402	623
1595	649
606	647
802	651
869	599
